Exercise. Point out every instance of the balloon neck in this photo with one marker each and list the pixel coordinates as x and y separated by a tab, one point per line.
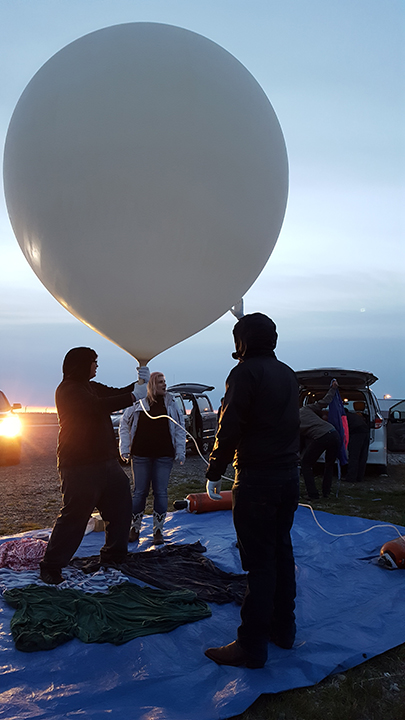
141	363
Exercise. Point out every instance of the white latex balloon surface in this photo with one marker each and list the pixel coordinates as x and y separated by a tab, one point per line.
146	180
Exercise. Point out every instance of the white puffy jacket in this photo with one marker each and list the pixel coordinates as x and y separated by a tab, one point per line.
129	423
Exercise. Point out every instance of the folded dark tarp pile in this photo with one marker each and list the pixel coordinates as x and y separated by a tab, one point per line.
177	566
46	617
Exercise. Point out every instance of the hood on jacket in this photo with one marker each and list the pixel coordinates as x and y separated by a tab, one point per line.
254	334
77	363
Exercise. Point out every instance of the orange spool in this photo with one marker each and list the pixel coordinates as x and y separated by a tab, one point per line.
201	502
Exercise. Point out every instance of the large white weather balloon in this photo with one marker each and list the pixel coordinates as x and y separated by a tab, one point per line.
146	180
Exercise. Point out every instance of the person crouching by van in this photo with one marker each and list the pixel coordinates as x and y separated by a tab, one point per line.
152	442
320	436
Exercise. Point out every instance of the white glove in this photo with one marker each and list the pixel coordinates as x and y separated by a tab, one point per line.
143	373
180	459
126	457
214	489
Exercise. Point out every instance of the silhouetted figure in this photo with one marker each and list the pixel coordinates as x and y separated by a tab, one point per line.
90	473
259	430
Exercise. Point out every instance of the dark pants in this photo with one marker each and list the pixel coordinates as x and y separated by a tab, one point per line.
330	444
104	486
264	502
358	452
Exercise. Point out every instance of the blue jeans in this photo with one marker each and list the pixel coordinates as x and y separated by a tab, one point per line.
264	502
147	471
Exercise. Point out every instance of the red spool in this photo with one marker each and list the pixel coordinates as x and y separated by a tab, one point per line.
201	502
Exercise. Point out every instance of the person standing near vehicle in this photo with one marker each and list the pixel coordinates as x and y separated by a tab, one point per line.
359	441
152	441
88	465
320	436
259	430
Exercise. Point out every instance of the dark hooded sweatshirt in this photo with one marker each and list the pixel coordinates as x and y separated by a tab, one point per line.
86	434
259	425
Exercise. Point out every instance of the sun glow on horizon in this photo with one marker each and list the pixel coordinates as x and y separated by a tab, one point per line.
36	409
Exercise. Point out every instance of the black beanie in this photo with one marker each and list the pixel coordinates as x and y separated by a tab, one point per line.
77	363
254	334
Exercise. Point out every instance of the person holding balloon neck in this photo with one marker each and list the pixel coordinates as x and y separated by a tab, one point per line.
152	441
90	473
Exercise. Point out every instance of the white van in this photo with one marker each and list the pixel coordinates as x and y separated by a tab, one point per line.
354	387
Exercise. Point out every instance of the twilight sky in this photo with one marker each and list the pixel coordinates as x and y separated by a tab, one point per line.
334	284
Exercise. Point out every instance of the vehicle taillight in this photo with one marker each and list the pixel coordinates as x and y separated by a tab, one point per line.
378	422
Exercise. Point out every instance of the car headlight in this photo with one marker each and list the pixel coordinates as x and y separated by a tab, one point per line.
10	426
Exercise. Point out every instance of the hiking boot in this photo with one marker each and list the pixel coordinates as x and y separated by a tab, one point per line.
232	654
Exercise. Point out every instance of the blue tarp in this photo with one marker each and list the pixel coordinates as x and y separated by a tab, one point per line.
348	610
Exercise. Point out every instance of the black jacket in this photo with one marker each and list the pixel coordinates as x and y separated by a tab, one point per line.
86	433
259	425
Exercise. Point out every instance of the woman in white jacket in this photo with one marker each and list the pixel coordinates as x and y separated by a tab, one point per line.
152	444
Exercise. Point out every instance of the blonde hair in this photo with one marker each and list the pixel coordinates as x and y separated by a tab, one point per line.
151	394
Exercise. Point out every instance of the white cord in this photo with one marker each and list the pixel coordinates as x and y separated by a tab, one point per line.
361	532
157	417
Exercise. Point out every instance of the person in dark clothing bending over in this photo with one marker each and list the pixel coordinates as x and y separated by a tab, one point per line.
320	436
88	465
259	430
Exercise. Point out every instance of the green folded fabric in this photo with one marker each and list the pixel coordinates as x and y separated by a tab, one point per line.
46	617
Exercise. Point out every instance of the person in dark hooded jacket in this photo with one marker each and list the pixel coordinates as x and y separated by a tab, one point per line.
88	465
259	431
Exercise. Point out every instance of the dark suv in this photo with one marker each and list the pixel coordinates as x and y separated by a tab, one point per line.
10	432
199	417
